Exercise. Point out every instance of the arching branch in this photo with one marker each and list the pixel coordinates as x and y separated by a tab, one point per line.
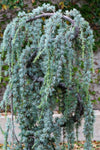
49	15
63	17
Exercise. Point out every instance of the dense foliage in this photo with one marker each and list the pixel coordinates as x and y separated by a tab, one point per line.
13	3
90	11
49	57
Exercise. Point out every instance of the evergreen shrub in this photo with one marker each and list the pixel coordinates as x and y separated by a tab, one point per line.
50	60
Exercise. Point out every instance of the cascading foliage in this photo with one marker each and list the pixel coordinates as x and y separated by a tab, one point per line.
50	59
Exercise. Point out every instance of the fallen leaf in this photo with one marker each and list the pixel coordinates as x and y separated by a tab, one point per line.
62	5
33	1
1	35
4	7
95	63
97	71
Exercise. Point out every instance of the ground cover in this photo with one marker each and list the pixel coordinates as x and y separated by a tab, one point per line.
77	146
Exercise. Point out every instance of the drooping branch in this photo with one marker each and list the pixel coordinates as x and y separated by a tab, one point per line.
39	79
79	110
32	57
79	107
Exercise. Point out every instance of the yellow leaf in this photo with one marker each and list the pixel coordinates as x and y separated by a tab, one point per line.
4	7
43	18
15	7
62	5
28	11
1	35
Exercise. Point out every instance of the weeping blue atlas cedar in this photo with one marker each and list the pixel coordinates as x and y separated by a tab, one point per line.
50	58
